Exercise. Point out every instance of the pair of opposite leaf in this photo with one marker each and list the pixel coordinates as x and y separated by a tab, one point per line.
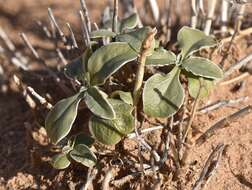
163	94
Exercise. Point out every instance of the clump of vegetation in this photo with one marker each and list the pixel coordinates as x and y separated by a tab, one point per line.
124	78
114	118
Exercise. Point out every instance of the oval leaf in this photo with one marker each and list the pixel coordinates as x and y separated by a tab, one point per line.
194	84
161	57
80	139
60	119
98	103
83	155
129	22
60	161
163	94
77	68
111	131
191	40
102	33
124	96
136	38
202	67
107	60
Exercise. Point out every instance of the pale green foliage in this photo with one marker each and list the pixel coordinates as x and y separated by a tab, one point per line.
191	40
60	161
97	103
83	155
60	119
202	67
161	57
112	119
163	94
111	131
107	60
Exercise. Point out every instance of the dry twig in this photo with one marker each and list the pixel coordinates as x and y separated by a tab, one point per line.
223	123
209	168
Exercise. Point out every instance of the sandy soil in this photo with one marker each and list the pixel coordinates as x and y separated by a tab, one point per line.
24	149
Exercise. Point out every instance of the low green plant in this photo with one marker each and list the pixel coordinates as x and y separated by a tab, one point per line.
112	119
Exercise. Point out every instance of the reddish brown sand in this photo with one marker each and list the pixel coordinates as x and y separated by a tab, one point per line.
22	145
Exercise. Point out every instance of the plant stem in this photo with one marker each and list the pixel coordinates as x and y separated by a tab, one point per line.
194	110
141	65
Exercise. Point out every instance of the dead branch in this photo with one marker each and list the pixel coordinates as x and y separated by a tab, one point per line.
223	123
74	43
53	20
221	103
115	17
85	14
238	65
209	167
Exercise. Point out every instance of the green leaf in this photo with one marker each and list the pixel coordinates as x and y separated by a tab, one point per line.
77	68
111	131
102	33
60	161
202	67
124	96
80	138
161	57
107	60
98	103
129	22
163	94
83	155
60	119
194	86
135	39
191	40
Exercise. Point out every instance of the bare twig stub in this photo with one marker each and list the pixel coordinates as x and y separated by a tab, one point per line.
74	43
211	8
44	28
221	103
108	177
222	124
43	62
85	30
209	167
85	14
53	20
154	10
224	16
92	172
238	65
115	17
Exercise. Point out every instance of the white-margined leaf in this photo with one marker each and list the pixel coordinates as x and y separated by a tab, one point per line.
102	33
194	85
136	38
112	131
129	22
60	119
202	67
161	57
60	161
77	68
98	103
107	60
163	94
124	96
191	40
82	154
